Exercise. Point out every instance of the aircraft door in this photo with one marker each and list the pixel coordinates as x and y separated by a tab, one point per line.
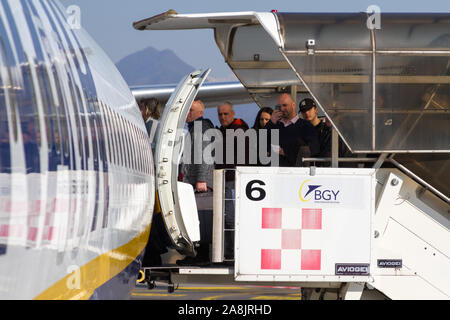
177	199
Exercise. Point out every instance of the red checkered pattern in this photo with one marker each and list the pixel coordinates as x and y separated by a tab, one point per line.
291	239
14	222
26	229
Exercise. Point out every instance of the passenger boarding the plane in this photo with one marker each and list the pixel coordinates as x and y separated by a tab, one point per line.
158	239
228	128
262	118
199	173
226	115
298	138
151	112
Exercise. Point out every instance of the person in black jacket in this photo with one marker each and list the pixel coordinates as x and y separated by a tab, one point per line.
297	137
151	110
159	240
310	112
229	123
262	118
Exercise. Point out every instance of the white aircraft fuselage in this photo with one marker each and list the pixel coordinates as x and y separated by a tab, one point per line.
76	166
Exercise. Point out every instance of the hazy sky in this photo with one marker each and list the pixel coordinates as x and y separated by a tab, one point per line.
110	23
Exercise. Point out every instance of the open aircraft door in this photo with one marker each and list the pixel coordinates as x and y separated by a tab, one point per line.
177	200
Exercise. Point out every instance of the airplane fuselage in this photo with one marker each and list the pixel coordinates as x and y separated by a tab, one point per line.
77	175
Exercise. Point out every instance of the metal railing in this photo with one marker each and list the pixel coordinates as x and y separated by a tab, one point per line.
223	218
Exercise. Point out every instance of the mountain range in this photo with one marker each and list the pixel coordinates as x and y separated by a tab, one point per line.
151	66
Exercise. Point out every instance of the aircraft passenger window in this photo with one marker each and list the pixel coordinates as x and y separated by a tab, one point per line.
98	155
62	118
143	153
7	84
138	154
92	128
64	134
86	141
80	139
132	148
116	134
104	132
133	137
141	166
131	144
111	136
84	144
50	125
120	139
5	152
101	136
124	141
136	151
128	142
116	137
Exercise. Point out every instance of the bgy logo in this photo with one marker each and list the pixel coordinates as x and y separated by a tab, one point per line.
317	192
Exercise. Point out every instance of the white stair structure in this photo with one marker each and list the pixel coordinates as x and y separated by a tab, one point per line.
411	224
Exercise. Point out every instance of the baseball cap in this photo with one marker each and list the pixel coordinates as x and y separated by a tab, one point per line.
306	104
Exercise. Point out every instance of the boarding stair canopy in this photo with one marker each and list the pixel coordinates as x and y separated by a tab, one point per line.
385	90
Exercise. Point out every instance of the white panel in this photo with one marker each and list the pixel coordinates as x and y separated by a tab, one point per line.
407	288
188	208
415	233
304	225
419	256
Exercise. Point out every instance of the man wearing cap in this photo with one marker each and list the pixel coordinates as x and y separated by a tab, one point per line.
295	134
310	112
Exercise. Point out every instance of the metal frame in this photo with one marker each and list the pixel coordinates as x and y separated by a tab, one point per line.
419	180
385	157
373	77
219	229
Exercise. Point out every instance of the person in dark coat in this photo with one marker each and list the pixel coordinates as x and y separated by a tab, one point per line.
262	118
229	124
151	112
159	240
199	173
310	112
